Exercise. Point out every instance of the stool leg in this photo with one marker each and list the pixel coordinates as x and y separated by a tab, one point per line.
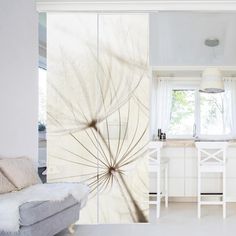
199	195
166	186
224	195
158	191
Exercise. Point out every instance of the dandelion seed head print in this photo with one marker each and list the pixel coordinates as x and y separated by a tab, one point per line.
97	111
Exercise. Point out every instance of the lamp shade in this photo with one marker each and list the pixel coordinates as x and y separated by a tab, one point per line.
212	81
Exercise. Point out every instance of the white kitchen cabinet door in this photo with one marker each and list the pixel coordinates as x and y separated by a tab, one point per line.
231	189
230	163
190	187
176	161
190	162
176	187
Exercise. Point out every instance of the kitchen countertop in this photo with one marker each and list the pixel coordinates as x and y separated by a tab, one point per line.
191	142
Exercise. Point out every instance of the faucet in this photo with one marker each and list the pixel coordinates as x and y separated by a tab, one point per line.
195	131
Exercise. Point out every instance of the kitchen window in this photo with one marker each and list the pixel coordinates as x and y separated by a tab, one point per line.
195	114
42	75
212	114
182	113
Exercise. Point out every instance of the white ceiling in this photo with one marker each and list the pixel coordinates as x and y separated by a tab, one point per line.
177	39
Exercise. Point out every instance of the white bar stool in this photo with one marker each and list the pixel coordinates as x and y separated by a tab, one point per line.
158	165
212	159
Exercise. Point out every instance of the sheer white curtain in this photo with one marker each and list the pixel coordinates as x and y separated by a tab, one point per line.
230	104
161	104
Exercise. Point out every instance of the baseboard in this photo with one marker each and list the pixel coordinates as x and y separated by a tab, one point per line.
194	199
182	199
231	199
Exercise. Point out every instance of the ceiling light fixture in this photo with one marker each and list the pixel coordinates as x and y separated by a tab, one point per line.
212	81
212	42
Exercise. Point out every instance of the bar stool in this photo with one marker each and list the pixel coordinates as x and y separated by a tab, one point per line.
212	159
159	166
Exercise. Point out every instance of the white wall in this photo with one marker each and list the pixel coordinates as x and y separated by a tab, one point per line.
18	78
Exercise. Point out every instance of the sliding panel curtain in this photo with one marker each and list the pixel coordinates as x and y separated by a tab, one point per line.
71	101
229	104
163	104
98	112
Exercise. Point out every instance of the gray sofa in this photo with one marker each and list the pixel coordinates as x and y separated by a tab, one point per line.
46	218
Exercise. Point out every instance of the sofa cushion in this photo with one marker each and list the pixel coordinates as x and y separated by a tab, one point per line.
20	171
5	185
33	212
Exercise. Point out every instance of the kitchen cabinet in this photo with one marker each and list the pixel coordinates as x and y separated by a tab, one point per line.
183	172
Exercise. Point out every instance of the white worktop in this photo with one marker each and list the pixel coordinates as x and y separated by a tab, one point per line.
188	142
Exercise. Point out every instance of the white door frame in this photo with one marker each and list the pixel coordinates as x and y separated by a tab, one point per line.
135	6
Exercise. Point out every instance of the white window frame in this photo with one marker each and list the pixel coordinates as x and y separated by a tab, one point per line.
183	84
209	136
193	84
